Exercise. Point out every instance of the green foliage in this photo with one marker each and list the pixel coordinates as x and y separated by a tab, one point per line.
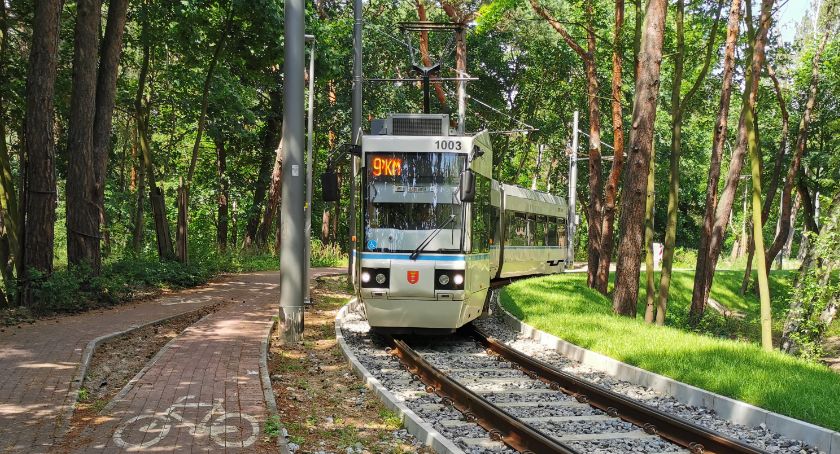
326	255
272	426
568	309
685	258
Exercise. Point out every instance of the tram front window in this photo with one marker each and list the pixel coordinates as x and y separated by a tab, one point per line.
408	196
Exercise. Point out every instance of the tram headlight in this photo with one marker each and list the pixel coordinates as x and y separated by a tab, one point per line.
375	277
458	279
449	279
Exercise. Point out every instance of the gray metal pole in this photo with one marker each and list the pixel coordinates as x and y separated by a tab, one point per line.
310	127
573	171
292	225
356	125
461	40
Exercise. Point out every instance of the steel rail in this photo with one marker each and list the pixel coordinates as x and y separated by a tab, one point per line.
696	438
501	425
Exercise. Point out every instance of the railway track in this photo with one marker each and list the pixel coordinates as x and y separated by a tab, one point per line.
530	406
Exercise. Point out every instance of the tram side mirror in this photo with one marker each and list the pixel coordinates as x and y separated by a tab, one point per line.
467	186
329	186
351	149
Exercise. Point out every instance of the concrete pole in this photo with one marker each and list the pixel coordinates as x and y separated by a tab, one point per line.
292	225
572	222
310	127
356	126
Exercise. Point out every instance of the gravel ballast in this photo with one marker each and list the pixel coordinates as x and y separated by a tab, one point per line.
497	381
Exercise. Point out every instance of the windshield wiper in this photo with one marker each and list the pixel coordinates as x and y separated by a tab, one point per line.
429	238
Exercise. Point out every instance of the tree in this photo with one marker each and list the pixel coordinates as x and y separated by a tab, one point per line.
588	56
678	109
712	240
40	185
611	189
182	226
799	151
82	210
633	200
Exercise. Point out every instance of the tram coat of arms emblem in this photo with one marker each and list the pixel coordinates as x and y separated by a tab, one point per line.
412	277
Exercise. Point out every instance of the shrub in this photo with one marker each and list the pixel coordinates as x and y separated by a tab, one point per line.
326	254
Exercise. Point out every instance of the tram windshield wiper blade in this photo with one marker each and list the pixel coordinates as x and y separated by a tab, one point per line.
429	238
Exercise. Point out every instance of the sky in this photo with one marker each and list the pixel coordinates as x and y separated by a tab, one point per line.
789	15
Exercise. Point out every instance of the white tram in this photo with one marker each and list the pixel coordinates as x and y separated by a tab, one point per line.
436	228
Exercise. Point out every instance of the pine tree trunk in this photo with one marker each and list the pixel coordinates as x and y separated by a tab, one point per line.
641	147
222	195
40	185
611	188
83	237
595	184
106	90
799	151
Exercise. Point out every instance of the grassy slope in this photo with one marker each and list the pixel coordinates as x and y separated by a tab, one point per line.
564	306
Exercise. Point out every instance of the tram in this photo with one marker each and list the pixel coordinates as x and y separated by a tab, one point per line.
436	227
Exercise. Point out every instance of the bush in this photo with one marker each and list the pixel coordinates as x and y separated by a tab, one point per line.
685	258
326	255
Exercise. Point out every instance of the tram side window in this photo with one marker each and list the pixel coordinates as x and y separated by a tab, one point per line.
529	230
482	226
551	232
539	232
517	235
494	225
561	233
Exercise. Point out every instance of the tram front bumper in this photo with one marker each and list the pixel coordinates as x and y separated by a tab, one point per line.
426	313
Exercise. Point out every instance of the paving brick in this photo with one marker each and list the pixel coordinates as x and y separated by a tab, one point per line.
38	362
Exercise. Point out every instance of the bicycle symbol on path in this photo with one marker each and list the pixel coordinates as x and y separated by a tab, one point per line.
233	429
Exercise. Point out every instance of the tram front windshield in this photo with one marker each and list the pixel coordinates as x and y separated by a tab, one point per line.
410	195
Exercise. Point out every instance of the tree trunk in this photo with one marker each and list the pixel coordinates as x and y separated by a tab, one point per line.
270	145
611	190
595	183
813	287
711	239
774	179
641	147
156	196
273	203
181	231
799	151
139	222
40	188
106	90
83	246
793	214
9	206
678	109
650	198
222	194
424	52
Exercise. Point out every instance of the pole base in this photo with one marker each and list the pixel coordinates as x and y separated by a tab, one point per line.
290	328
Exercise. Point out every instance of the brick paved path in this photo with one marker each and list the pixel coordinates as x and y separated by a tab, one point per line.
204	392
38	363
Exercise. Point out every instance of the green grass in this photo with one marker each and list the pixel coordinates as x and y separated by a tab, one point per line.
564	306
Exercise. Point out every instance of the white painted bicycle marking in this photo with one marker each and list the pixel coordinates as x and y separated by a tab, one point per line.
144	431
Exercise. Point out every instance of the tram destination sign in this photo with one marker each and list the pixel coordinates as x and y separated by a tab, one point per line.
387	166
